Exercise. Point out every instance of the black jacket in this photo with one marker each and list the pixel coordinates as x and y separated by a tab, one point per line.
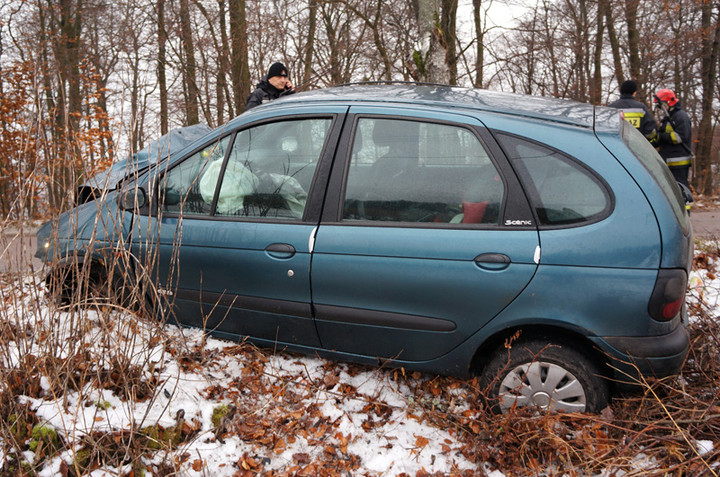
675	134
264	92
636	113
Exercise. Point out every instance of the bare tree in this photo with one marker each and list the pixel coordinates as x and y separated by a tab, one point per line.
224	96
239	66
371	13
480	27
633	38
310	44
161	62
607	7
189	69
431	56
710	34
64	21
596	82
448	37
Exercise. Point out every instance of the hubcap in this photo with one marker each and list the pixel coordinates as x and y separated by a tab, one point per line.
544	385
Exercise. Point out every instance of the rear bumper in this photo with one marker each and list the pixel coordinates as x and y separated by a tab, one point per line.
646	356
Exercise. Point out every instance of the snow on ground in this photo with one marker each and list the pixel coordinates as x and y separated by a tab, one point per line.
704	284
286	413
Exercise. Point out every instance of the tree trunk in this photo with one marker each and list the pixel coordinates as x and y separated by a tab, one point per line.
448	37
582	52
614	44
479	44
431	59
136	130
107	145
50	148
596	83
631	8
710	38
310	47
335	46
223	96
189	69
162	61
68	109
240	67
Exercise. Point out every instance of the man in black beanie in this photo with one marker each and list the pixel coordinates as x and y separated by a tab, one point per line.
273	85
635	112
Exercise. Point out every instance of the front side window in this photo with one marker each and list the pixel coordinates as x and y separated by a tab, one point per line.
266	173
189	187
270	169
412	171
561	191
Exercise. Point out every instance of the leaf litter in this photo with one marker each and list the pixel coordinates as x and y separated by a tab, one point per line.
102	391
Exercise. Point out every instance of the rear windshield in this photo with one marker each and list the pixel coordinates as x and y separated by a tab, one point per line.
652	161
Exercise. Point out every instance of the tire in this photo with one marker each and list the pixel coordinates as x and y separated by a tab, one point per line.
75	284
547	375
81	285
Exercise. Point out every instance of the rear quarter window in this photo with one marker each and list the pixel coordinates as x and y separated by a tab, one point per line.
561	190
657	168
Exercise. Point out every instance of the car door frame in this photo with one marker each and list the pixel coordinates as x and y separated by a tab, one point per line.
300	313
516	215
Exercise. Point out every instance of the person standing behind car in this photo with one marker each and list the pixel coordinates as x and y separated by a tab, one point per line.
674	135
273	85
635	112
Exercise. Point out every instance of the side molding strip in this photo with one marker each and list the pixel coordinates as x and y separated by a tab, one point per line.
338	314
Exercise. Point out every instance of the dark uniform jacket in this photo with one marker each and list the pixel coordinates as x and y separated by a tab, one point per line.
637	114
675	136
264	92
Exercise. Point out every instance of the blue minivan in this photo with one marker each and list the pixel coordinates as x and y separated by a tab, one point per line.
538	243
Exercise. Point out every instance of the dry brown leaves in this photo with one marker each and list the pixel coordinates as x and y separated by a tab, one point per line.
653	432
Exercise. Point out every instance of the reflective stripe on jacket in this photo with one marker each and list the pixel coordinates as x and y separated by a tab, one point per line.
678	161
675	137
636	113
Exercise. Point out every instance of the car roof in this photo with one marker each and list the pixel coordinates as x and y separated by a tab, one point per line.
468	99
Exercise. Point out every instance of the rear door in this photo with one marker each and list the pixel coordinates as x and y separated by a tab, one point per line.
426	236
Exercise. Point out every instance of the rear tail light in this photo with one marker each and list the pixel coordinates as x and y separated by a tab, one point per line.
669	294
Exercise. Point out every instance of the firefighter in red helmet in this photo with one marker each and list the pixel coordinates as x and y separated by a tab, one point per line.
675	135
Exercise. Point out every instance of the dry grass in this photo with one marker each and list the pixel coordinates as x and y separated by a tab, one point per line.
71	355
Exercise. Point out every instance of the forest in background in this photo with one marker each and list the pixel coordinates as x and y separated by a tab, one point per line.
85	82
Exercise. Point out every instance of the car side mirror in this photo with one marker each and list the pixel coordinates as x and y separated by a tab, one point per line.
132	198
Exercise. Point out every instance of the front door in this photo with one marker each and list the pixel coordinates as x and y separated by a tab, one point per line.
234	232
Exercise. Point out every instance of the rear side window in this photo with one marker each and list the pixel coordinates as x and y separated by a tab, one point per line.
561	191
415	171
652	161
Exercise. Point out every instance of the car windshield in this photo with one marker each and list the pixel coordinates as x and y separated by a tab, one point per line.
648	156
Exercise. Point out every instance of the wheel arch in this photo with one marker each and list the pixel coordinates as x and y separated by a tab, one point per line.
552	333
71	274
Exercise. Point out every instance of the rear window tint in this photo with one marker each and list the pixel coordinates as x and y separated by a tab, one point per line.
652	161
561	191
417	171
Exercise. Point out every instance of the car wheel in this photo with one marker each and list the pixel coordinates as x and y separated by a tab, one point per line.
74	284
77	284
545	375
